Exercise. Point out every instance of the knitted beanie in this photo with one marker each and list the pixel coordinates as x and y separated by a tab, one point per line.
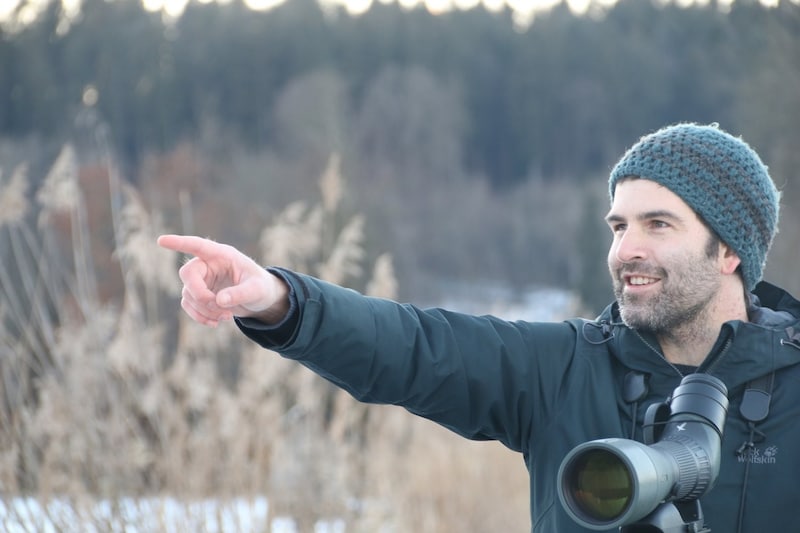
720	177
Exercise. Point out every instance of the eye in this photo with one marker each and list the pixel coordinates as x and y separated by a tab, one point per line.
618	227
659	224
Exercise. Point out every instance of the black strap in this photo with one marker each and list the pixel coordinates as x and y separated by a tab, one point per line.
754	409
757	396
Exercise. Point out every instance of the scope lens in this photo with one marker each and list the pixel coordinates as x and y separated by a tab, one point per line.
600	485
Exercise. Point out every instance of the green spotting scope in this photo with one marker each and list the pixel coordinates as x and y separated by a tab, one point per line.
609	483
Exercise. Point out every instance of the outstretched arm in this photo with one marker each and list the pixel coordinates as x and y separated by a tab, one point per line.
221	282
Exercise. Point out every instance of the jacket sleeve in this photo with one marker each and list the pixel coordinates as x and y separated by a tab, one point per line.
480	376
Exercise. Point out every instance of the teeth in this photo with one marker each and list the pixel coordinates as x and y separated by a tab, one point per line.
640	280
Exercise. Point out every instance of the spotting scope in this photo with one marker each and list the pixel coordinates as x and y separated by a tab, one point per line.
614	482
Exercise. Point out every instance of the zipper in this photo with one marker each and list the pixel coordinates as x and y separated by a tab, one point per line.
720	356
714	363
658	352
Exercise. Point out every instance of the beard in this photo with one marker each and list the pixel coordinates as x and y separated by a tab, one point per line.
685	294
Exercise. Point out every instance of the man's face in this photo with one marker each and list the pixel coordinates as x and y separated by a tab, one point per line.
664	262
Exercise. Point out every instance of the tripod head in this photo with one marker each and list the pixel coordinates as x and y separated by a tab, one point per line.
671	517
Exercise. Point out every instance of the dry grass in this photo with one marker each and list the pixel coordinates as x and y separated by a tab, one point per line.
121	396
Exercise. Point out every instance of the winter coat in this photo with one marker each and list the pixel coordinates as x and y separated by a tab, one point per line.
544	388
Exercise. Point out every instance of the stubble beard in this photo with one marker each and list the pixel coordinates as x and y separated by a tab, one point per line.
677	306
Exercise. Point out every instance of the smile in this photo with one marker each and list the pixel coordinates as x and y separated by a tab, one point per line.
639	281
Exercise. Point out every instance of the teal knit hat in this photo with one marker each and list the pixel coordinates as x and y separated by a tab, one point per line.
717	175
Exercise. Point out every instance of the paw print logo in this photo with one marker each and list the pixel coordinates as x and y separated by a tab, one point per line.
772	451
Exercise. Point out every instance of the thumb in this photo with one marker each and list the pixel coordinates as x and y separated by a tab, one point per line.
253	294
225	298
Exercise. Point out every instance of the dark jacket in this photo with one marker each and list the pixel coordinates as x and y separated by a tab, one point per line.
544	388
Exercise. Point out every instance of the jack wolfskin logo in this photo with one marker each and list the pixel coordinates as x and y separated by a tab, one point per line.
756	456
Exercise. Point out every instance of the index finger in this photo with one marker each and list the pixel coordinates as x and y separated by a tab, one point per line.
189	244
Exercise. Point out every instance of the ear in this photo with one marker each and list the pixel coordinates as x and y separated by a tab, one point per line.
729	259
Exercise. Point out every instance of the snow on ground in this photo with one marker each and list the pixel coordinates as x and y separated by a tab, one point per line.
148	515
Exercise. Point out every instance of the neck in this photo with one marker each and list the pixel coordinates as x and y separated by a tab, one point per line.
687	347
692	342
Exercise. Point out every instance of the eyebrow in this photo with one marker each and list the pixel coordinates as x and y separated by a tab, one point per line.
647	215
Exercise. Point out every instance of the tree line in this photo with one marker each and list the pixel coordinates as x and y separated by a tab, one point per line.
560	98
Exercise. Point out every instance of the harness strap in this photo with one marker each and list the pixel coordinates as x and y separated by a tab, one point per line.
757	397
754	409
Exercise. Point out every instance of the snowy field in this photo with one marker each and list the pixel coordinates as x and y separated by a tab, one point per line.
161	515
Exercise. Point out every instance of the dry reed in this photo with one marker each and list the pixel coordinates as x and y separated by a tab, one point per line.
126	399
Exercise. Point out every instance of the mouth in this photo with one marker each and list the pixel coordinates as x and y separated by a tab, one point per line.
639	281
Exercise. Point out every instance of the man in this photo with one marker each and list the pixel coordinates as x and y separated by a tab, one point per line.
693	215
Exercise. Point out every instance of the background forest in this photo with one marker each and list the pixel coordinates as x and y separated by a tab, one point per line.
403	153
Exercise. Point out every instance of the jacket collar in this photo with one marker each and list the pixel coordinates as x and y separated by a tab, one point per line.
744	350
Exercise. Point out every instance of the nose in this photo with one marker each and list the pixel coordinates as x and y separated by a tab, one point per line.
628	246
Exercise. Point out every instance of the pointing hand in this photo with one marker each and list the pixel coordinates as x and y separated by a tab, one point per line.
221	282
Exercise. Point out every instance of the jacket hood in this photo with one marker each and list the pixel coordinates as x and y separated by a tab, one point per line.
744	350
